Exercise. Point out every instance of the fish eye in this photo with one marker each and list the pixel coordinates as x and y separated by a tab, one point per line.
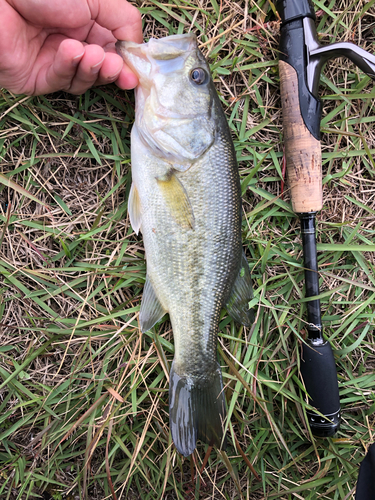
198	75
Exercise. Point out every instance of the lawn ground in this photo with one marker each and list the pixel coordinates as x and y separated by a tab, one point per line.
83	394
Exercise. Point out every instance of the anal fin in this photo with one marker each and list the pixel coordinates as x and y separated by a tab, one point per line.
242	292
176	199
151	309
134	209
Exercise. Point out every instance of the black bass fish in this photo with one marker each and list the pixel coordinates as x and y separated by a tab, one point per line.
186	200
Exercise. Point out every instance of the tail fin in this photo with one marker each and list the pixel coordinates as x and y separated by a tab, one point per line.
196	410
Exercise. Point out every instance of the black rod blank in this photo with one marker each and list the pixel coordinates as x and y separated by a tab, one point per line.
318	366
308	234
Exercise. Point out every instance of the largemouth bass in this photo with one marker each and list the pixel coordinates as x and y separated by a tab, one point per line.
186	200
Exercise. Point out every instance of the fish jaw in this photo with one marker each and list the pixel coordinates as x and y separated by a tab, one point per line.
169	105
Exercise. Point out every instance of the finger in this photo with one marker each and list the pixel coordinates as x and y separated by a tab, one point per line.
110	69
119	16
126	80
56	67
89	69
113	68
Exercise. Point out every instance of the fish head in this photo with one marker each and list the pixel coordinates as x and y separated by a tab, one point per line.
174	97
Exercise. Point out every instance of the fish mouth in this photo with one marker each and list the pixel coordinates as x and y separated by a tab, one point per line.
135	57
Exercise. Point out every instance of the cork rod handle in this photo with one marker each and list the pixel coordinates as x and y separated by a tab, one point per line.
302	150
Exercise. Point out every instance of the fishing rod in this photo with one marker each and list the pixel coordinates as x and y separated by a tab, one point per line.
302	59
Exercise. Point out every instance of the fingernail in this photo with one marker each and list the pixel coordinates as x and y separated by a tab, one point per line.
114	77
76	59
97	66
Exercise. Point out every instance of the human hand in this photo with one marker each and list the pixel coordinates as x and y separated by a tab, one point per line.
50	45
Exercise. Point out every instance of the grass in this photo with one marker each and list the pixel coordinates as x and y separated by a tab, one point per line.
83	394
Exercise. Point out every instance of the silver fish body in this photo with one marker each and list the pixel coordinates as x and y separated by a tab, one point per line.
186	200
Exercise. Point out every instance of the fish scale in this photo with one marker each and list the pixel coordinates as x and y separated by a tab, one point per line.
186	200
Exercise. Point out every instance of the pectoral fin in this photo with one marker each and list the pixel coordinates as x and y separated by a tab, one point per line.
177	200
151	309
242	292
134	209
